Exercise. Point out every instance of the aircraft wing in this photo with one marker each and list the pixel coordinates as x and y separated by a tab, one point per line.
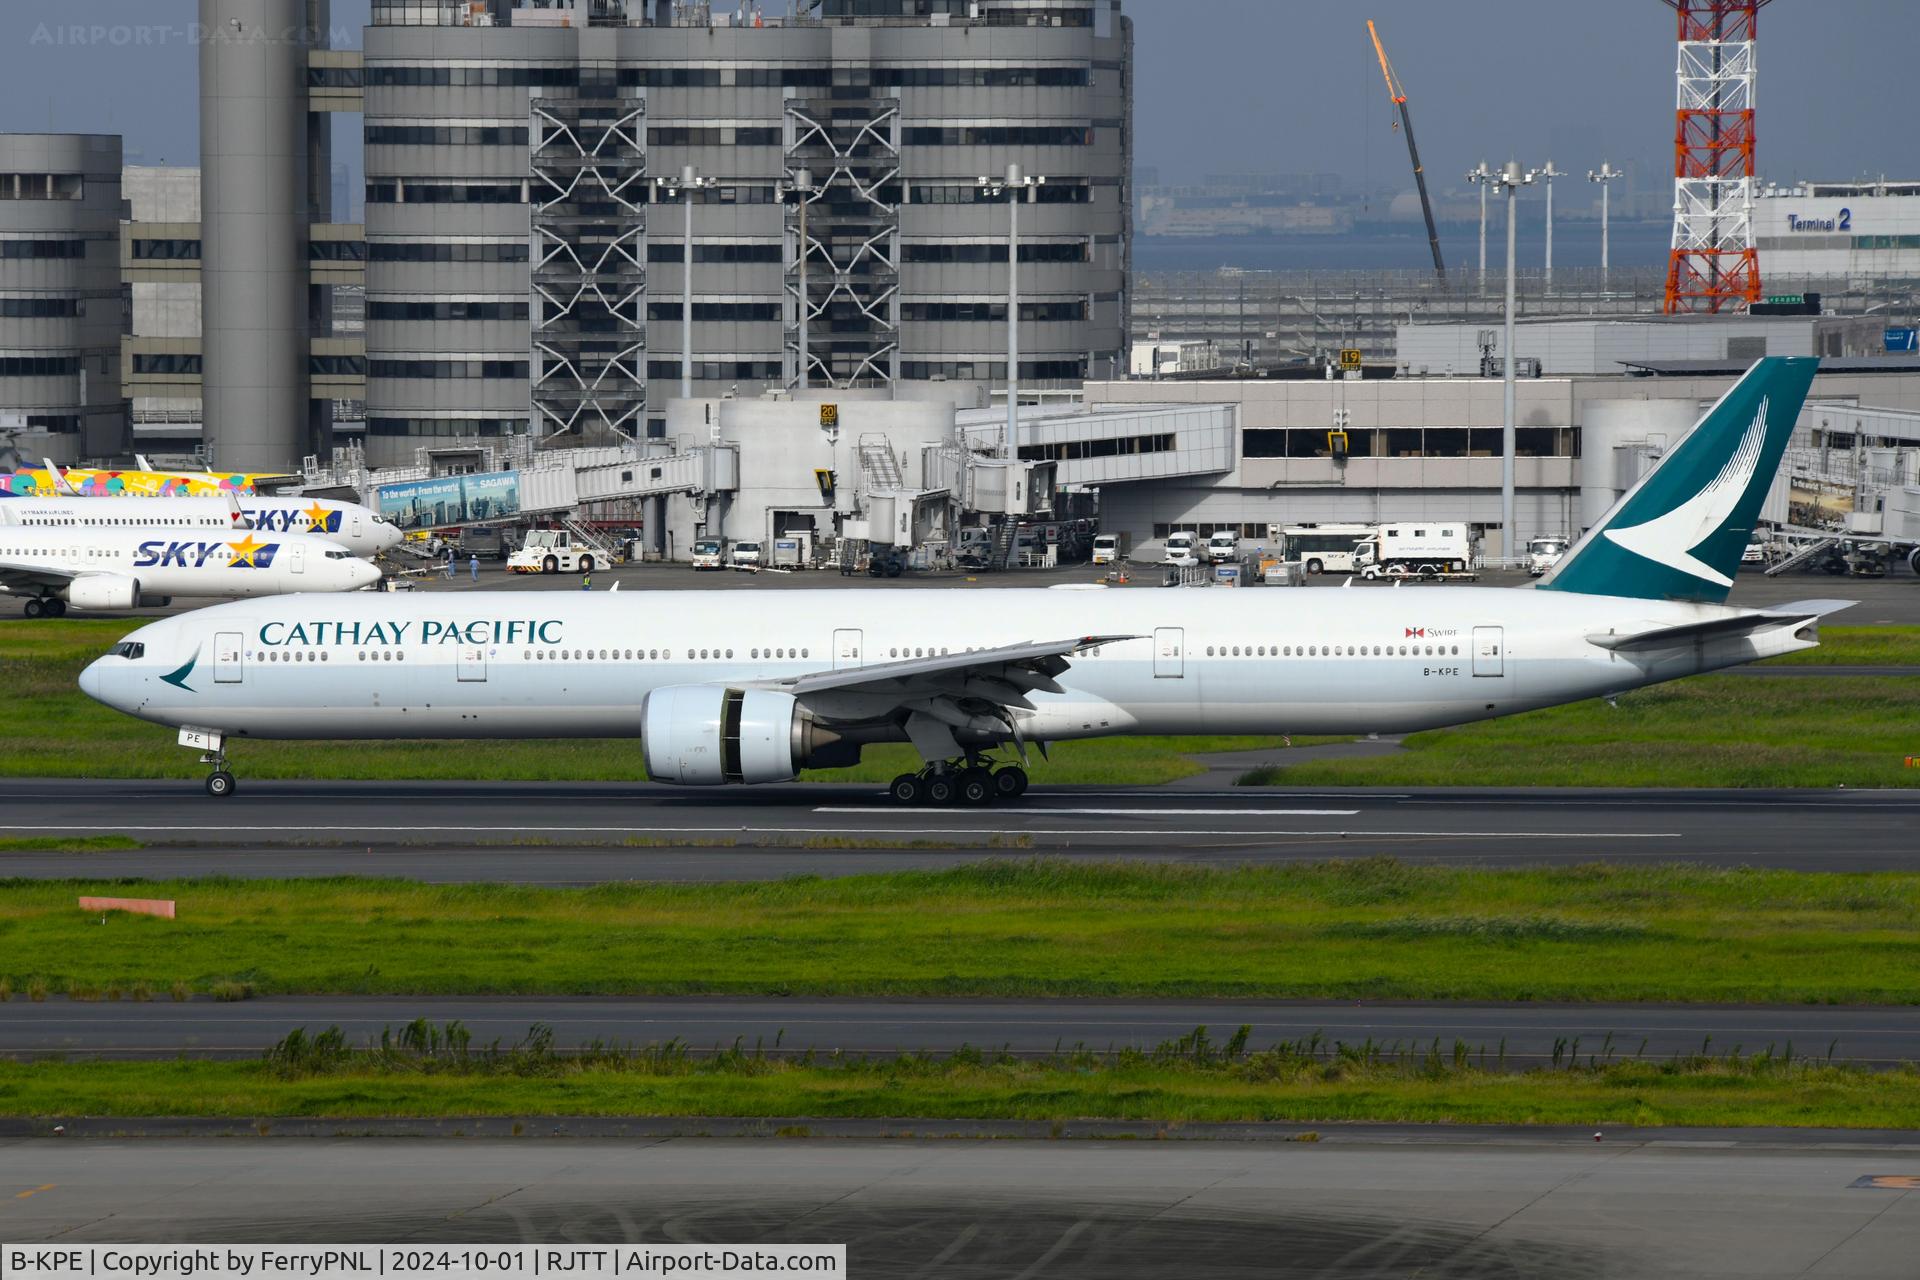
982	691
1719	628
15	575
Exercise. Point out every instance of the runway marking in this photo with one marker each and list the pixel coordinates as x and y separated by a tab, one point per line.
24	1195
1154	813
882	831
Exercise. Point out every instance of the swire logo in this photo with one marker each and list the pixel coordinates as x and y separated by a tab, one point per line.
1416	631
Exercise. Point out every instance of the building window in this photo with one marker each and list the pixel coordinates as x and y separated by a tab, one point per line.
716	311
446	427
396	191
447	368
675	135
43	248
162	250
432	251
166	364
998	135
670	251
38	308
995	251
388	75
384	309
445	135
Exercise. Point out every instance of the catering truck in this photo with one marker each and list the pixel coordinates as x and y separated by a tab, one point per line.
1427	548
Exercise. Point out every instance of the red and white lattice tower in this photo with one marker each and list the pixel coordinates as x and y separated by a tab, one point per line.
1713	266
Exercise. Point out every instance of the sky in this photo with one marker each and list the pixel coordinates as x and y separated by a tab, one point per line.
1228	85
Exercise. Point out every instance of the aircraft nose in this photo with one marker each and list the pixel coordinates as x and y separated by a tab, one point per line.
364	574
93	680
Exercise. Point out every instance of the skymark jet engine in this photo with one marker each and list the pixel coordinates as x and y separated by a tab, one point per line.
706	735
103	591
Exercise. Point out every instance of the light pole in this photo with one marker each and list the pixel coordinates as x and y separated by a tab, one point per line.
1016	185
1481	177
1510	180
685	185
1604	175
1550	173
801	186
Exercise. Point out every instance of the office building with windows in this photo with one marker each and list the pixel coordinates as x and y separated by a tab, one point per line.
525	262
62	311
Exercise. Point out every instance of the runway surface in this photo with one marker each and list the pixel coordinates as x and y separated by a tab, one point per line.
1529	1032
571	833
1379	1204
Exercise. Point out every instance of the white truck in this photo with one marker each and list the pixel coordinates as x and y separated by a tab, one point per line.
1427	548
708	553
1544	552
1112	548
1183	549
554	551
1223	547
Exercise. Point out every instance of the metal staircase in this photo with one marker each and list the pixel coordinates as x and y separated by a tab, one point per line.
878	467
1000	553
607	552
1803	555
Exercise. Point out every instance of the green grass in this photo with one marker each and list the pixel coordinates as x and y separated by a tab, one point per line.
1188	1081
68	844
1372	928
69	735
1709	731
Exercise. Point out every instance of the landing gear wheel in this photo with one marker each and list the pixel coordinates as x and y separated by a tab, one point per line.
56	608
220	784
35	607
907	789
940	788
1009	782
976	788
550	565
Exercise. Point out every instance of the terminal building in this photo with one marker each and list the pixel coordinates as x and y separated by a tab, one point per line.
61	309
1863	231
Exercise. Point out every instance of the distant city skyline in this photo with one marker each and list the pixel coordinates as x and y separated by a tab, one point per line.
1221	85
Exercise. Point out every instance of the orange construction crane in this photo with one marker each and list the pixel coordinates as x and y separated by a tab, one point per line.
1399	96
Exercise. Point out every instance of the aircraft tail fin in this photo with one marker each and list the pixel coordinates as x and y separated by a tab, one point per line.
61	485
1680	532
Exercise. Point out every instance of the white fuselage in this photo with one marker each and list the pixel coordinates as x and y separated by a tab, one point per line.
187	562
530	664
359	529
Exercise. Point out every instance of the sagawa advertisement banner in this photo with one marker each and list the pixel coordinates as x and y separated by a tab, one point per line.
449	500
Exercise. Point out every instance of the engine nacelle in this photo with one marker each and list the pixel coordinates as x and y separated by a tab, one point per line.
706	735
103	591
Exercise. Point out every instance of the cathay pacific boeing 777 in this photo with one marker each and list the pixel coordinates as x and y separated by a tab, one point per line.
734	687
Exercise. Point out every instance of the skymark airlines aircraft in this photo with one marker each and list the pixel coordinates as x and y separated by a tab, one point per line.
361	530
721	688
91	568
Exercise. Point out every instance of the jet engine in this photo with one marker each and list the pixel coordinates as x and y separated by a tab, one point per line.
706	735
103	591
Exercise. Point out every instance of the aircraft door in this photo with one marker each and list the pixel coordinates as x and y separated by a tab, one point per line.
297	559
229	657
847	643
1169	653
1489	651
356	526
473	663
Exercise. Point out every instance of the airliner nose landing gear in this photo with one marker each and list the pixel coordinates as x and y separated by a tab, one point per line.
213	751
967	782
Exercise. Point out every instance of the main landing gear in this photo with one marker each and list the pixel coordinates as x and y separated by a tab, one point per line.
969	783
45	607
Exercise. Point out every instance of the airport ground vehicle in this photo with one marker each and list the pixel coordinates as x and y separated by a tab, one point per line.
1182	549
1426	548
1543	553
553	551
720	689
489	542
1223	547
708	553
745	555
1321	548
1112	548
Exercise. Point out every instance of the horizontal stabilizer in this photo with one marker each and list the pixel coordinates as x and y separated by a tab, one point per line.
1718	628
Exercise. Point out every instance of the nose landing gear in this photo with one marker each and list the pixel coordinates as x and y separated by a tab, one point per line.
969	782
221	782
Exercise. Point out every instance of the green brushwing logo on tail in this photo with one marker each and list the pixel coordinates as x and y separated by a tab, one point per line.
1680	532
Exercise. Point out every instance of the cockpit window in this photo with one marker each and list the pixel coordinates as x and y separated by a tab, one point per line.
338	555
130	649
